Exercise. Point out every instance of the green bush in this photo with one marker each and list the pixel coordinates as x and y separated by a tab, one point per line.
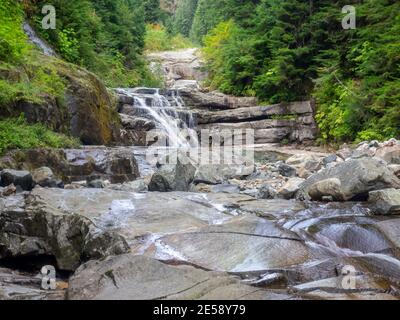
17	134
158	39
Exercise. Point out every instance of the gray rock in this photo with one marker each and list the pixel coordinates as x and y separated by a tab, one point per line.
385	202
173	178
8	191
305	162
220	173
250	192
286	170
225	188
95	183
138	186
357	178
290	188
44	177
21	286
130	277
31	227
115	164
266	192
395	168
18	178
326	188
330	159
390	153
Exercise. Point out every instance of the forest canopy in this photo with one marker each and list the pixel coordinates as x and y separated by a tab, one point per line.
287	50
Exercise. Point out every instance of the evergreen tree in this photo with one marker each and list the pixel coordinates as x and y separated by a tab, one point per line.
184	16
152	11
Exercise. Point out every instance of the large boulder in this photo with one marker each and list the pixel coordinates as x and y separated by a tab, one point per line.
173	177
357	178
218	171
22	179
390	153
130	277
30	227
385	201
326	188
289	189
86	110
44	177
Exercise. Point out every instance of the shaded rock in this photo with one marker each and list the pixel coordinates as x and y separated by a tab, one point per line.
130	277
17	178
290	188
44	177
390	153
286	170
220	173
266	192
357	178
86	110
305	162
8	191
115	164
31	227
326	188
173	178
395	169
385	201
330	159
18	286
96	184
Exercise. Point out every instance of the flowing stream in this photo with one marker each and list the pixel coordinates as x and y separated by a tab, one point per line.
176	123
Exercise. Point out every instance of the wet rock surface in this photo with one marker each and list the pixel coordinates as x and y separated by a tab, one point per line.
115	164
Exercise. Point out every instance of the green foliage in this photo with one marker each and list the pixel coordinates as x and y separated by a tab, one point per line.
158	39
17	134
13	42
104	36
288	50
184	15
152	11
23	75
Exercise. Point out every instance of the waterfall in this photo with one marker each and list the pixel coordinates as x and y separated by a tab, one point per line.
168	112
44	47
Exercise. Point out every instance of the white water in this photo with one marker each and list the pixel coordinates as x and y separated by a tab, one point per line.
179	133
46	49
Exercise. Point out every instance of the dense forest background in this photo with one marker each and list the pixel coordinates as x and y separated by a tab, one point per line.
286	50
276	50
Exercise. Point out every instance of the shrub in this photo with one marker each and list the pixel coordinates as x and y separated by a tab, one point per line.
15	133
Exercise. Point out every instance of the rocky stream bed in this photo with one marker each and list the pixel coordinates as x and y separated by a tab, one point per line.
295	223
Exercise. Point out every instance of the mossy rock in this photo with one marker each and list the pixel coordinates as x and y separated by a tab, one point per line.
84	109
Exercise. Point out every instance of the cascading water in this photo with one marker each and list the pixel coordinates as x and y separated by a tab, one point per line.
169	114
46	49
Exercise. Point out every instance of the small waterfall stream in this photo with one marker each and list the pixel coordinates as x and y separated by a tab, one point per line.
176	122
43	46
